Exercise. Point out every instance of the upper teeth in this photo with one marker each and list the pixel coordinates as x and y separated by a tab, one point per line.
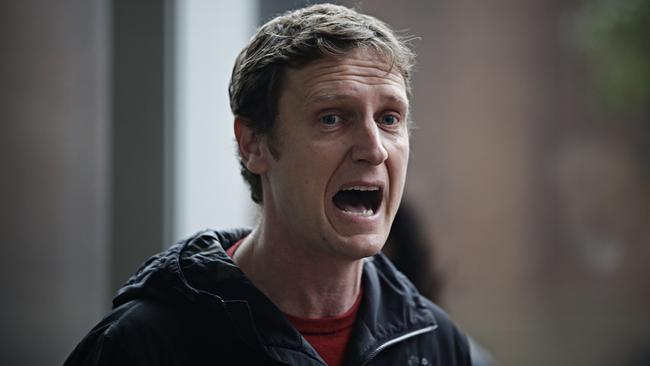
361	188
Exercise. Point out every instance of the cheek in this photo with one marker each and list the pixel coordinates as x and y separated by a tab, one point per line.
327	155
397	167
399	157
310	167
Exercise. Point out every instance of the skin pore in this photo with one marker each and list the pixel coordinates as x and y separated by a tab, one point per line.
341	125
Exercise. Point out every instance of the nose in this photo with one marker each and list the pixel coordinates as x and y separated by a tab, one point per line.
368	144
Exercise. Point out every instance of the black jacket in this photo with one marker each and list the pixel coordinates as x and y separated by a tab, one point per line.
191	305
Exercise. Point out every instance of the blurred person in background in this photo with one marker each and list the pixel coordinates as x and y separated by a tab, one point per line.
321	103
411	252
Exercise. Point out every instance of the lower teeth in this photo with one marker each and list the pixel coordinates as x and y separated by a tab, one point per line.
367	212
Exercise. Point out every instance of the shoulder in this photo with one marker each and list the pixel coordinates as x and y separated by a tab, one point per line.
137	332
452	336
450	342
104	344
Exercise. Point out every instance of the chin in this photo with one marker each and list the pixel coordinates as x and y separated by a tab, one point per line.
362	246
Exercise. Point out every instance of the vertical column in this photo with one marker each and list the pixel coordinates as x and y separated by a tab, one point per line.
142	149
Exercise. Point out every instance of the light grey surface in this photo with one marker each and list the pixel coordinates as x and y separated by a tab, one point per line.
207	171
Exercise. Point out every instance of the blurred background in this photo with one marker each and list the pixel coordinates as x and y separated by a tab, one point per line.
530	165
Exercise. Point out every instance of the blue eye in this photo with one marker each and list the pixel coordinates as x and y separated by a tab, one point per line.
330	119
389	119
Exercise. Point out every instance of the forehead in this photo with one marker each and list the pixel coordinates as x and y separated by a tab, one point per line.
331	78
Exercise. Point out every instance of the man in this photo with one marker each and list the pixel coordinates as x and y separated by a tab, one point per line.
320	98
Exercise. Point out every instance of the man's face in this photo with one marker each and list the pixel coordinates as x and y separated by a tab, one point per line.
342	147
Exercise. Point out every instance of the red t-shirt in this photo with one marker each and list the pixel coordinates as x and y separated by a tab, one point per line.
328	336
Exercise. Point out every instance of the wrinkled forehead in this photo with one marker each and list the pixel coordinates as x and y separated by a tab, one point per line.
329	76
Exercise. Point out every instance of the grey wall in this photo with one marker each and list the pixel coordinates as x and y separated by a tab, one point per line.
86	163
54	161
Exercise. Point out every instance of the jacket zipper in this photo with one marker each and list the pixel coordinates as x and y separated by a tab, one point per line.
393	341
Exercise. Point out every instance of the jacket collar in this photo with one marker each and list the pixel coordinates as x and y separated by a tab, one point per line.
198	270
391	307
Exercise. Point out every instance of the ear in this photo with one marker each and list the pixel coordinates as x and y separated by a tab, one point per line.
252	147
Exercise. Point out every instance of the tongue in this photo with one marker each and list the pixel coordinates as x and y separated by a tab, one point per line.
350	207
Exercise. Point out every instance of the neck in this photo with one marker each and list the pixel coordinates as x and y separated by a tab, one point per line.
296	279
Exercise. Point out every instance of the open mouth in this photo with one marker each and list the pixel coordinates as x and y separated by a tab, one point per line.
358	200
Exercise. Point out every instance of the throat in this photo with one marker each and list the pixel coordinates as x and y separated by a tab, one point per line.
315	303
297	279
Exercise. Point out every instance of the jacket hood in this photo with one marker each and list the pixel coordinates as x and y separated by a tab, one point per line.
180	272
198	274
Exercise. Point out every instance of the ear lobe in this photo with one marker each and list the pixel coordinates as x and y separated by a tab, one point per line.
251	146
